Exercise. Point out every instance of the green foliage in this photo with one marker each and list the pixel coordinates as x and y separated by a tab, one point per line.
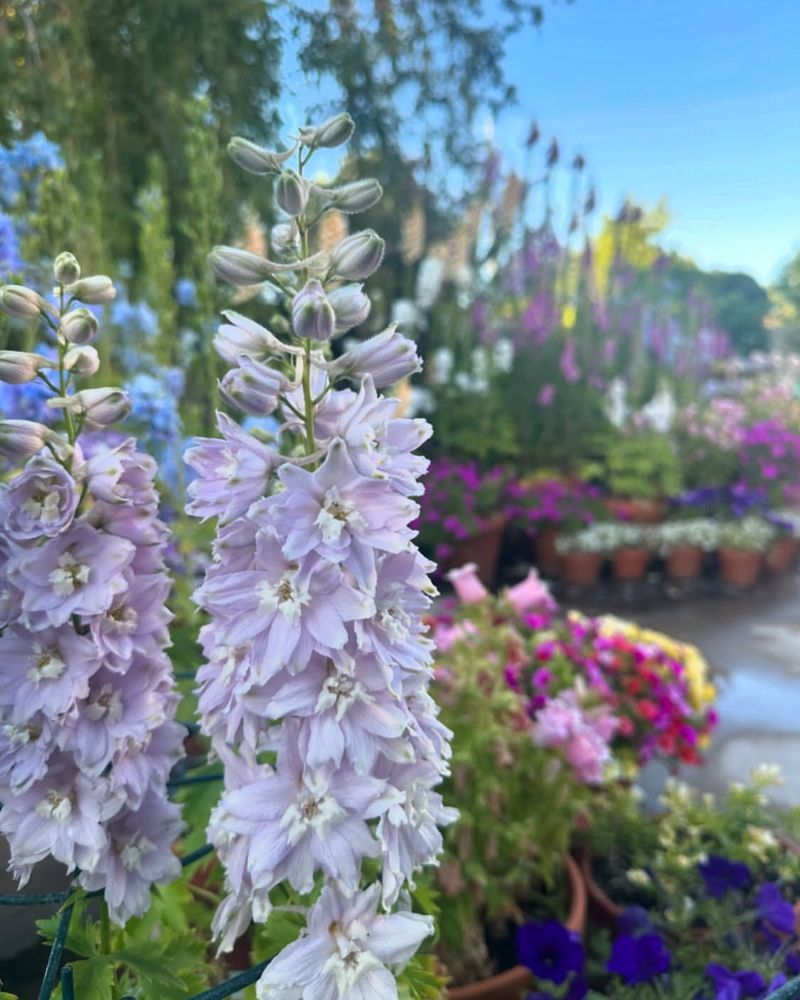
419	980
161	954
156	278
511	836
643	466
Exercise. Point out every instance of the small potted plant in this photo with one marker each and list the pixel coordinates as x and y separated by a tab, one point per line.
462	515
582	552
642	470
546	507
742	545
683	542
632	551
781	554
507	855
717	883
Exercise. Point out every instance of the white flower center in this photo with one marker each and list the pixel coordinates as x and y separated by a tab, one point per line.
55	805
43	507
47	665
396	622
285	596
349	962
122	620
339	692
131	854
104	703
335	514
69	575
312	811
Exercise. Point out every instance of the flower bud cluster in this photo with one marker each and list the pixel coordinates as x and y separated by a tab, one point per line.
315	687
87	731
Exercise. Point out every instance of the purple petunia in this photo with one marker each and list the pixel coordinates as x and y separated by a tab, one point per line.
720	875
773	909
639	959
549	950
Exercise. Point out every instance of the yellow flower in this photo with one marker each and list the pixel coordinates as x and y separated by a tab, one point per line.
568	316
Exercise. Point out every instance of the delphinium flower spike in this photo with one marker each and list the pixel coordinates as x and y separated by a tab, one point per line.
314	693
87	737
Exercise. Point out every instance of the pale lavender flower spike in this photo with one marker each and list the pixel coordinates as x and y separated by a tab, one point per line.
87	731
314	693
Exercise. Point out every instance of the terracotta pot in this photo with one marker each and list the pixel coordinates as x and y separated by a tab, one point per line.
631	563
781	555
482	549
739	567
545	552
516	982
636	511
604	910
581	568
685	562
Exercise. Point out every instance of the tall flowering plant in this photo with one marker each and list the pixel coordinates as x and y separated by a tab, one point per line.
314	693
87	737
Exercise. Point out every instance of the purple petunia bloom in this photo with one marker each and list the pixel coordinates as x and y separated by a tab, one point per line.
639	959
549	950
773	909
730	985
720	875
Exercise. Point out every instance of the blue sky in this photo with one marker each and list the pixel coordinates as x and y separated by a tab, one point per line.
697	101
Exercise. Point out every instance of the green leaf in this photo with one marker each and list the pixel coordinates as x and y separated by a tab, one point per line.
279	931
419	980
94	977
153	971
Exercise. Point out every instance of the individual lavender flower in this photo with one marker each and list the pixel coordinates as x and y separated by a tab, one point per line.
87	737
315	646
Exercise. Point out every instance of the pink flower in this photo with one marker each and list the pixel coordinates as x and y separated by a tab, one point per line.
467	584
546	395
531	593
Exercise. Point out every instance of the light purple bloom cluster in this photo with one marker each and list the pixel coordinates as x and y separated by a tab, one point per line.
87	731
314	692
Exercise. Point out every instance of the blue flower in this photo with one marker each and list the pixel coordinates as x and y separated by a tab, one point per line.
721	875
730	985
774	909
186	293
134	318
639	959
549	950
10	260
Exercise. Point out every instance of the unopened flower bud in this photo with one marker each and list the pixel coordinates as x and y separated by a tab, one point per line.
285	239
241	335
333	132
66	269
357	256
387	357
100	406
253	387
18	367
291	193
356	197
78	326
21	302
23	438
313	317
351	306
238	267
82	361
94	291
251	157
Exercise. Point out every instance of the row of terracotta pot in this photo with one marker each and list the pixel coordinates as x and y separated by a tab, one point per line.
738	567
